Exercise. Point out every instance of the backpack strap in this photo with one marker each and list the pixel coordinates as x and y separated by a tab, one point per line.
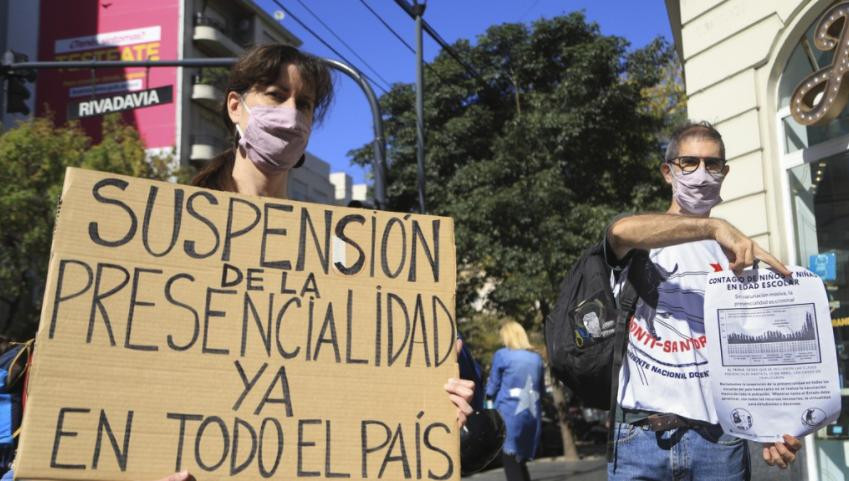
627	301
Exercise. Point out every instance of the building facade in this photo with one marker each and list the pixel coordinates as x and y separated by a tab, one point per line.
210	28
176	110
311	182
789	182
185	119
19	33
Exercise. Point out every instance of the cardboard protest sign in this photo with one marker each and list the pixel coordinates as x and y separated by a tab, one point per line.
240	337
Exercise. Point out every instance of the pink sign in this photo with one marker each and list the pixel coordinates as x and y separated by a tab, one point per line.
110	30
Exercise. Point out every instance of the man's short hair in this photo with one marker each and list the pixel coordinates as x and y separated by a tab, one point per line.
693	130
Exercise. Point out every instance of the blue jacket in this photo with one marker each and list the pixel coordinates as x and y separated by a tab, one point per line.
516	382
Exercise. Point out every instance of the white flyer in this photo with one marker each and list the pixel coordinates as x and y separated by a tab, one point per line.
773	365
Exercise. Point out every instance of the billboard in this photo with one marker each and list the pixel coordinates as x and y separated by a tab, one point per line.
111	30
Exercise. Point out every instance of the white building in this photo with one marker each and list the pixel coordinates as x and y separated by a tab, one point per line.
345	189
216	28
311	182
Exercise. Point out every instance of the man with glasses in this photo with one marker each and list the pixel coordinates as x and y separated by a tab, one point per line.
666	425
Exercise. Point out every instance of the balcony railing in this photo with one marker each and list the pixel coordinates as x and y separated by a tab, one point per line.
204	147
206	92
214	37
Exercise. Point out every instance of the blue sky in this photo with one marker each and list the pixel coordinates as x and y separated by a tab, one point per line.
348	124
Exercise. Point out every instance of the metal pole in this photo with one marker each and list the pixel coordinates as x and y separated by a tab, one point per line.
410	9
418	10
378	165
4	89
4	20
187	62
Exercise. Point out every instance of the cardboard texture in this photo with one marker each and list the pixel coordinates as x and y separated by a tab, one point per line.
240	337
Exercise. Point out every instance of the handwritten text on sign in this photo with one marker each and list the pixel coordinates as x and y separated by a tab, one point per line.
240	337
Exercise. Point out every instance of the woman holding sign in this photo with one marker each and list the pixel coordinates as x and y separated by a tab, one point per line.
274	95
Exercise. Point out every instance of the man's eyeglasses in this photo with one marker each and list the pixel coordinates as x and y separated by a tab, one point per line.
689	164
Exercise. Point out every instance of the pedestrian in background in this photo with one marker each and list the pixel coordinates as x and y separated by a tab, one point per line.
516	383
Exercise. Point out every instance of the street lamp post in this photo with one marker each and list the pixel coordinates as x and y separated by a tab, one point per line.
418	11
378	165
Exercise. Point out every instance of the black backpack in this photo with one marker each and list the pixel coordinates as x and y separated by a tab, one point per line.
586	333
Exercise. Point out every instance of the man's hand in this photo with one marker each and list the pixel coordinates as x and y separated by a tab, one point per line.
461	392
782	454
652	231
741	250
181	476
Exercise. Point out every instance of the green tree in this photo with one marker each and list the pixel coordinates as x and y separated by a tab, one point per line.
563	133
667	99
33	159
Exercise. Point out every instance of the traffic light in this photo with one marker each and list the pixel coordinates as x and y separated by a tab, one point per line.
16	81
16	96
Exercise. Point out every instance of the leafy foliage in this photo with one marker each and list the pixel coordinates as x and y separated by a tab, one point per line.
532	163
564	131
33	159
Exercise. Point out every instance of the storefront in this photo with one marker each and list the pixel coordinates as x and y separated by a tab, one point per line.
789	154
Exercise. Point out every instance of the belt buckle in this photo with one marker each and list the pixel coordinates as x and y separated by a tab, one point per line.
663	422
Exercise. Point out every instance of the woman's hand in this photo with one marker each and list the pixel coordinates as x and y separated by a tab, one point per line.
782	454
181	476
461	392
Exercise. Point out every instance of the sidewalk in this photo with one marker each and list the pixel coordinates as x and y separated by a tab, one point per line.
555	469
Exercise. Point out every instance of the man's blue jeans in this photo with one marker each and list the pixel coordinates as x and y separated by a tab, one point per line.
703	454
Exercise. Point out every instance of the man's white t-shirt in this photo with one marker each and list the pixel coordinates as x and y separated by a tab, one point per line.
665	369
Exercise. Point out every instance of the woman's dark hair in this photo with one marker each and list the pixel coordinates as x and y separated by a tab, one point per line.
259	67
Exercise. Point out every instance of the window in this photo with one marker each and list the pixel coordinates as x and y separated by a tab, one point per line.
816	160
820	200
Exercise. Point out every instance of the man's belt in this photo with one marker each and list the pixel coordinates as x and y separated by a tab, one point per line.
665	422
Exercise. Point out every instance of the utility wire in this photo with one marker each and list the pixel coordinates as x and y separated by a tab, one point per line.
533	6
397	35
388	84
318	37
434	35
